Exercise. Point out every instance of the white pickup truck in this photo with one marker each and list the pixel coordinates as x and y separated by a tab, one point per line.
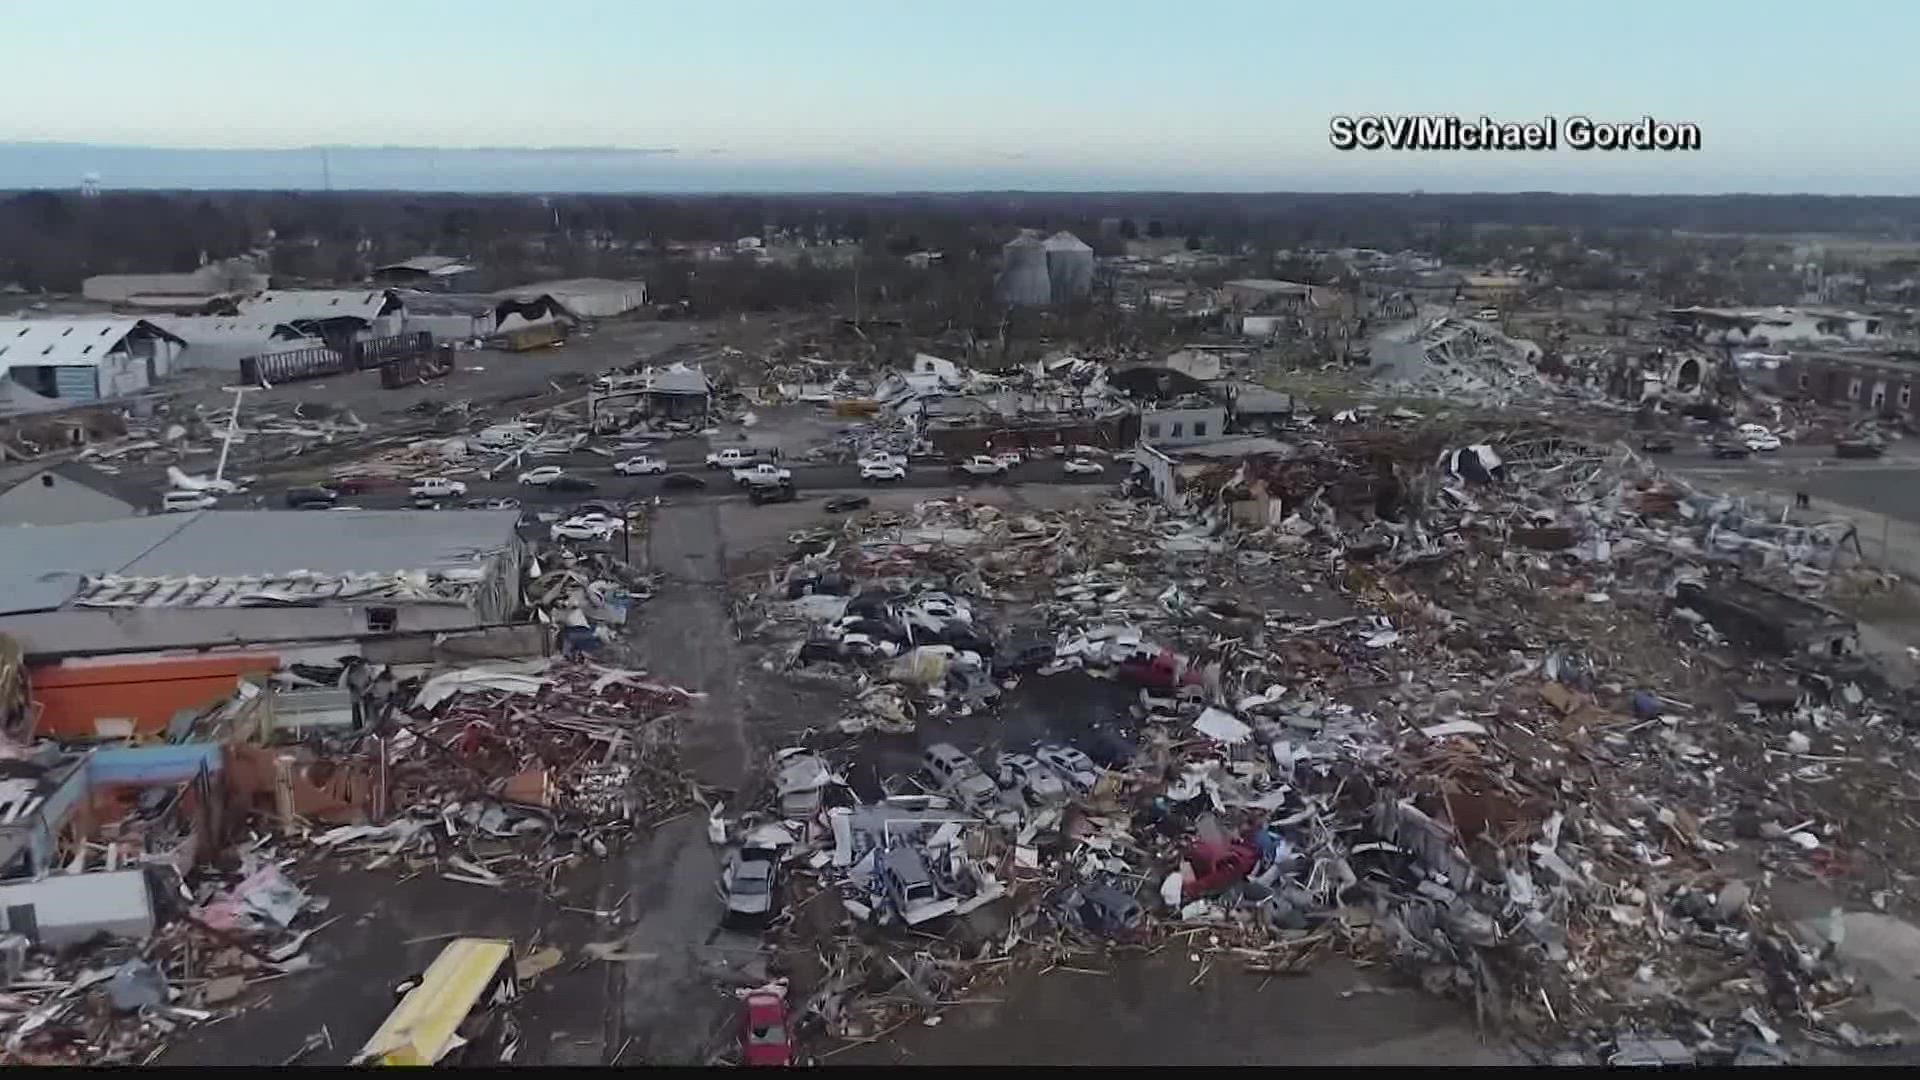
762	475
733	457
437	487
981	465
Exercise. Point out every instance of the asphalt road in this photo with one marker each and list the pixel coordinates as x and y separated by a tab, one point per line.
611	485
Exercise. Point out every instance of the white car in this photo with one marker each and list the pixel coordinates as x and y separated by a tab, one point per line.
1083	467
644	465
437	487
174	502
882	471
545	474
588	527
1074	768
1036	782
881	457
1761	440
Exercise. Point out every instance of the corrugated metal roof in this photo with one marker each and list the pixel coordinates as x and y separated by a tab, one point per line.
192	328
298	304
63	342
41	567
437	265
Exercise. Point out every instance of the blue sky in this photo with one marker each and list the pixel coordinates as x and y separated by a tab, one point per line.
1064	94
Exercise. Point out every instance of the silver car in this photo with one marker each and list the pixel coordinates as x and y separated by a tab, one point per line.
1075	769
959	777
1034	781
749	881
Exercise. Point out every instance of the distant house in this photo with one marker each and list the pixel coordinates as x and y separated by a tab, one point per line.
1267	294
66	494
207	288
73	360
1492	288
431	272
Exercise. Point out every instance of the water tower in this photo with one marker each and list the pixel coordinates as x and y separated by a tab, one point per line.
90	185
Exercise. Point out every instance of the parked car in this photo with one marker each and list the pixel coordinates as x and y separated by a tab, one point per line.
644	465
588	527
360	485
1036	783
437	487
491	504
174	502
762	474
960	777
735	457
1023	655
882	457
905	877
1083	467
1102	910
681	481
750	882
311	498
979	465
1216	865
1657	444
1757	438
847	503
545	474
882	472
758	494
1859	448
1074	768
765	1036
570	484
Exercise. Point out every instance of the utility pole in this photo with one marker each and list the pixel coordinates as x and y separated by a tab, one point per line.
856	291
226	443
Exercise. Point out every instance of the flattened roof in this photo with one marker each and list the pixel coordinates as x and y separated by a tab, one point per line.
297	304
66	342
41	567
435	265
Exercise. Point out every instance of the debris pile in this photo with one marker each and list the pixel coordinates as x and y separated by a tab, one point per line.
1463	739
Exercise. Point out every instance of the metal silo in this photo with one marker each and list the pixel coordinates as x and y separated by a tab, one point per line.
1023	272
1069	267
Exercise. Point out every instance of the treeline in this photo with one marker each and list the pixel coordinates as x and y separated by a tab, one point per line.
53	240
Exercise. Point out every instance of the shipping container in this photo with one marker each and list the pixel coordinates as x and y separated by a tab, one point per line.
292	365
534	337
410	370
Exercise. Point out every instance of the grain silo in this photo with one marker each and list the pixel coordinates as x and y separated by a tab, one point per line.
1023	272
1069	267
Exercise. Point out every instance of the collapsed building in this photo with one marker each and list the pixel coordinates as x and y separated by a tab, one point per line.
1448	354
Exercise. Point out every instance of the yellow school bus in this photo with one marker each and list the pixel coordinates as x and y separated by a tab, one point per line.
458	1005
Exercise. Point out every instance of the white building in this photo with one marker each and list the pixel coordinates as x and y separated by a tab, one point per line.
1182	426
1719	326
217	342
587	298
74	360
338	315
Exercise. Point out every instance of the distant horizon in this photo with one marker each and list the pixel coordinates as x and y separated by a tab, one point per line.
65	165
867	96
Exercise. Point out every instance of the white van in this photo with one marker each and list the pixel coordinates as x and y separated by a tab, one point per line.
181	501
